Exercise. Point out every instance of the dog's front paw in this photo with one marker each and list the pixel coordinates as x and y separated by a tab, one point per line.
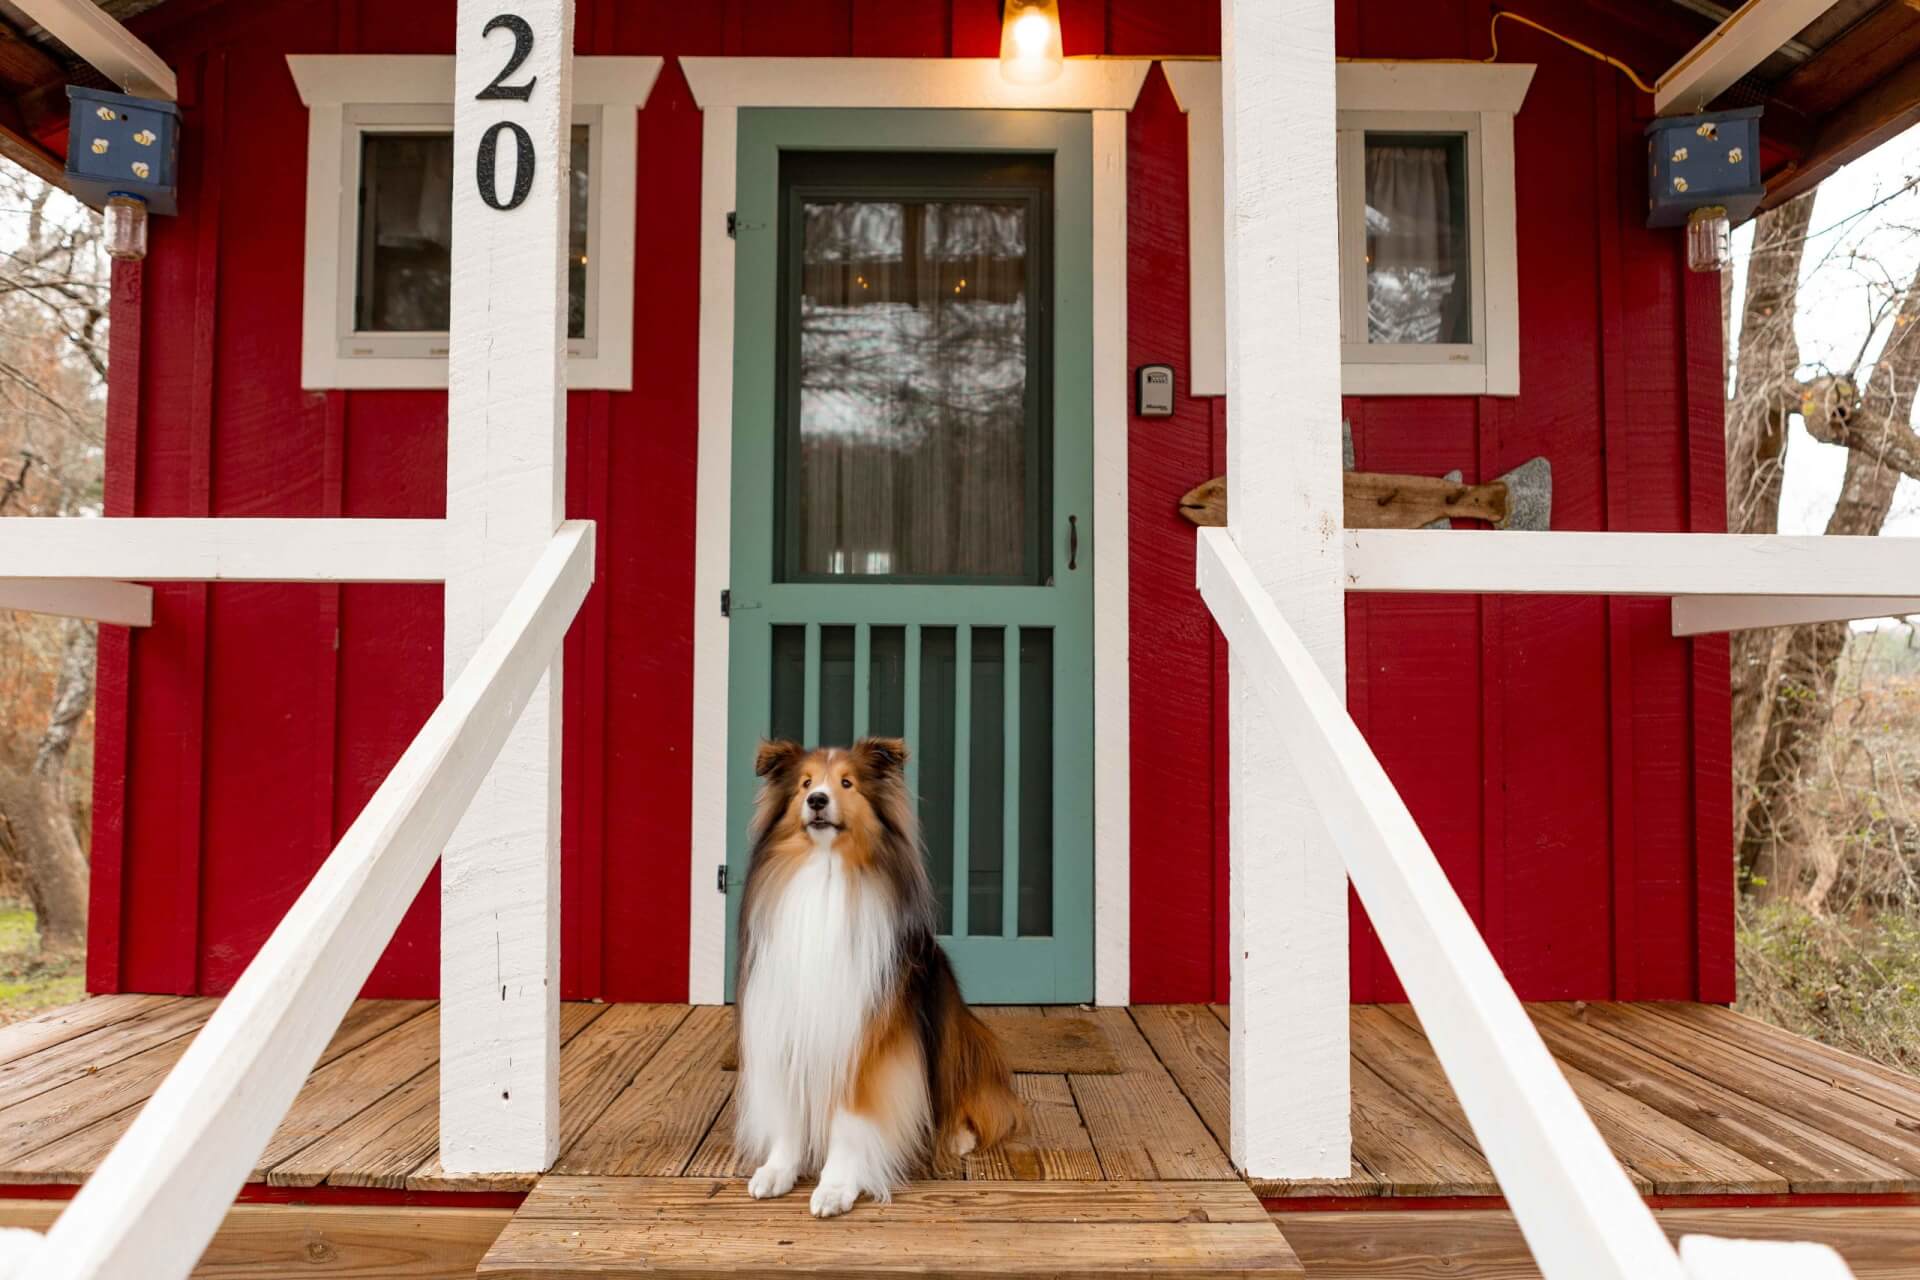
831	1199
770	1181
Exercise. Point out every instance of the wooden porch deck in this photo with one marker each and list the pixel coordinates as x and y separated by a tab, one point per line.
1707	1110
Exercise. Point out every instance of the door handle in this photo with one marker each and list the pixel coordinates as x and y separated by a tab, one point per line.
1073	542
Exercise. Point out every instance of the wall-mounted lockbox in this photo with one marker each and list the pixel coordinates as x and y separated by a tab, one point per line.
117	143
1695	162
1153	391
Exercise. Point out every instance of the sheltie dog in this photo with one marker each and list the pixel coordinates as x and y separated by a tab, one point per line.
858	1057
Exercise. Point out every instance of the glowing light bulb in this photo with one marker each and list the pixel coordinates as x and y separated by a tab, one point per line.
1030	49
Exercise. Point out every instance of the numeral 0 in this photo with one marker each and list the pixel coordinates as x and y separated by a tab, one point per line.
522	171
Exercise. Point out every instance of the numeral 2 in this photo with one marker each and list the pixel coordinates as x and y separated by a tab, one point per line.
522	46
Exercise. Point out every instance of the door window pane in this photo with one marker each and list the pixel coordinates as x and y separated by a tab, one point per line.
1418	280
406	233
913	432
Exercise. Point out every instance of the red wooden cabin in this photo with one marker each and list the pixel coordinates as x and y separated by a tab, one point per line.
282	352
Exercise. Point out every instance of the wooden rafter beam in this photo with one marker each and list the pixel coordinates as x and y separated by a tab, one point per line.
1874	47
101	41
1849	132
26	69
1731	50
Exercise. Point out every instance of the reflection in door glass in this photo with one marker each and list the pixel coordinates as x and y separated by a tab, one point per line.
913	429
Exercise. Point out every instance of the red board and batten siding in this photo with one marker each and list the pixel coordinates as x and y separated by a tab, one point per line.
1567	758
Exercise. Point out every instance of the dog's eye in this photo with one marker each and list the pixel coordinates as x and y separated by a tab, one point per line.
847	783
805	783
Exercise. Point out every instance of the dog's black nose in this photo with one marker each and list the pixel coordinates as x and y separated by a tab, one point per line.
817	801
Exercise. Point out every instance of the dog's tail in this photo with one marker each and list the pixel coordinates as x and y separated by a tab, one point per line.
974	1105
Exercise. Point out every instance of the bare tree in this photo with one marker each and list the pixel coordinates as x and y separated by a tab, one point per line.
1784	680
53	316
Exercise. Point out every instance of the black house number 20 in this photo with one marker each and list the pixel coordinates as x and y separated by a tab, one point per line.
486	162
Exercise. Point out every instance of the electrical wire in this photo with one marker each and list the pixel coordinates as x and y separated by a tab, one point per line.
1493	35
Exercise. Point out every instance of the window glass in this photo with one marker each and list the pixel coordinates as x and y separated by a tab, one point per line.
1418	281
406	233
913	415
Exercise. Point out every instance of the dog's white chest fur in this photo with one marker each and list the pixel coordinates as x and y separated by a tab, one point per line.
822	955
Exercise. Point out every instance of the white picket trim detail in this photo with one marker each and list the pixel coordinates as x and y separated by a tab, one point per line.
160	1195
1630	564
98	600
226	549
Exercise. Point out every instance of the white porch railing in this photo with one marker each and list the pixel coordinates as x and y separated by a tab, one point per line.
1573	1202
158	1198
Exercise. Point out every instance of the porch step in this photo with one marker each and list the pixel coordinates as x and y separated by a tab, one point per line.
663	1228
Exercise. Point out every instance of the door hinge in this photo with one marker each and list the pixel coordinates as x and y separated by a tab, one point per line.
726	602
733	225
720	878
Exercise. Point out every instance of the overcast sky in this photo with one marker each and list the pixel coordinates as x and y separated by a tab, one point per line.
1859	253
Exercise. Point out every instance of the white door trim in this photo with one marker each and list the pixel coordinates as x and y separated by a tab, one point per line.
720	85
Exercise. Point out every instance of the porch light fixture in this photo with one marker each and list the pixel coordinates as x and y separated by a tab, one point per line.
1709	239
1030	48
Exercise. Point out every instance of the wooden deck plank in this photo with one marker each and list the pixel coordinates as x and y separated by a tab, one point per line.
1895	1090
386	1143
656	1124
48	1117
347	1086
1141	1125
89	1053
1054	1145
1660	1154
1810	1161
1878	1243
922	1200
56	1026
597	1061
325	1242
1861	1122
74	1156
1407	1150
1192	1044
717	1156
680	1227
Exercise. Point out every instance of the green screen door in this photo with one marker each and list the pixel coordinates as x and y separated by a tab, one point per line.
912	534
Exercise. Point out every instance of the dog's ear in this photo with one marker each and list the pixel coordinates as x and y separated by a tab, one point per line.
881	756
777	758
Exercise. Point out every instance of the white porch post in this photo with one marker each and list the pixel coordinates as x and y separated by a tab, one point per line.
506	472
1289	890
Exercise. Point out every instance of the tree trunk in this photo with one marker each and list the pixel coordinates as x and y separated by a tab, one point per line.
35	809
1773	833
1766	392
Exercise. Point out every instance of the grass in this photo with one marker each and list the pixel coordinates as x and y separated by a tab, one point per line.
29	981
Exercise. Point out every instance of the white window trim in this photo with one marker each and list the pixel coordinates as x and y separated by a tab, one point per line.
608	94
721	86
1491	94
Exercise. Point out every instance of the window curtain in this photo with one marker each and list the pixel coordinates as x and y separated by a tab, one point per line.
1416	267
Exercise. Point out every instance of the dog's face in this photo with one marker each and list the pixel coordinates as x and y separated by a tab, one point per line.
830	791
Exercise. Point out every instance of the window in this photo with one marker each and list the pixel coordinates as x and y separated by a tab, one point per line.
380	176
1428	287
398	278
1412	265
914	422
1429	292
